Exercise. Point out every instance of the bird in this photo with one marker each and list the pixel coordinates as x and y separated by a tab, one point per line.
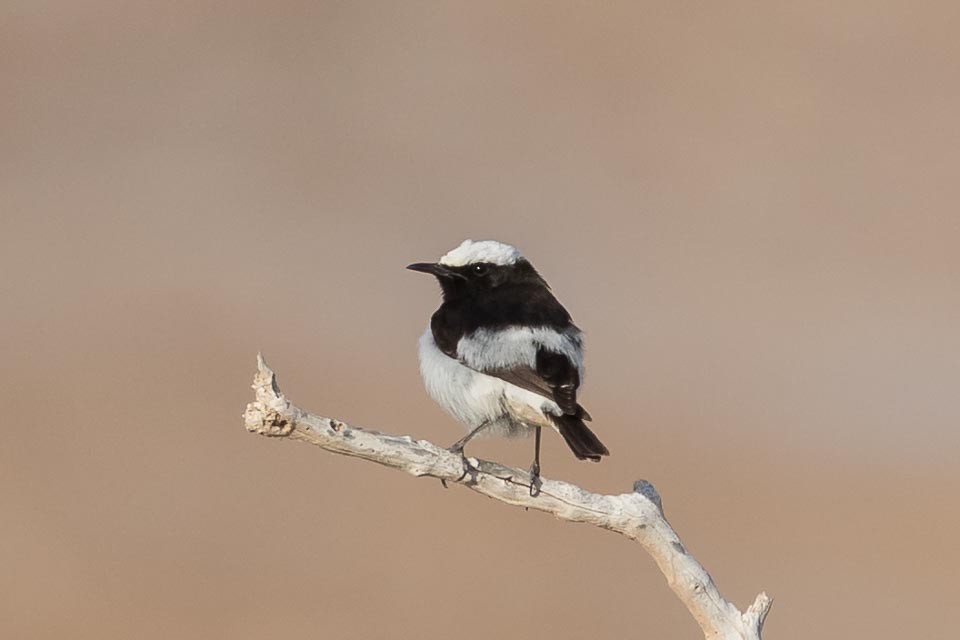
501	354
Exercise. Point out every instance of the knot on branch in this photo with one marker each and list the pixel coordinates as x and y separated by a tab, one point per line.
649	492
270	423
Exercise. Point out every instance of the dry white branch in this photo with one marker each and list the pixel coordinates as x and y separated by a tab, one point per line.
637	515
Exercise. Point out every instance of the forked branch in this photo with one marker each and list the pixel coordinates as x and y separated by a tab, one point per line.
637	515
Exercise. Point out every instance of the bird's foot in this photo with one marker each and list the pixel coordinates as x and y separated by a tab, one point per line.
535	481
468	468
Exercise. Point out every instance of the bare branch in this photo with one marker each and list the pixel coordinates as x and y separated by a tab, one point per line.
637	515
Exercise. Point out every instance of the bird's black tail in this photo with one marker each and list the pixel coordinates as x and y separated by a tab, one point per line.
583	442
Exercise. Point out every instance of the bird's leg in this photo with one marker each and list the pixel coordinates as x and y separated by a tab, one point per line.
457	447
535	482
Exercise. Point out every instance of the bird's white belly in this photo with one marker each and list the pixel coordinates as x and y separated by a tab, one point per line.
475	398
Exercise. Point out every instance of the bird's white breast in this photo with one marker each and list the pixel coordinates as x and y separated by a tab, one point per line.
475	398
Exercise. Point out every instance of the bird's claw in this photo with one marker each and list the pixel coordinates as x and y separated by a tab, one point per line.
468	469
535	481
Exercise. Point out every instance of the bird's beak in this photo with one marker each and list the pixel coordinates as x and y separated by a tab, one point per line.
434	268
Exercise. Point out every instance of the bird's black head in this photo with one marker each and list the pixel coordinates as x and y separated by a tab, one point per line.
475	268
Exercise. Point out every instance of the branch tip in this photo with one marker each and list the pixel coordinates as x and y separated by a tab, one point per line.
756	613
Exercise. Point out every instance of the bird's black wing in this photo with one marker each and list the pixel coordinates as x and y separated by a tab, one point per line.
555	377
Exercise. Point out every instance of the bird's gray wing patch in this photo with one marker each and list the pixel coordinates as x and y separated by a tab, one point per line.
540	360
524	377
529	379
555	376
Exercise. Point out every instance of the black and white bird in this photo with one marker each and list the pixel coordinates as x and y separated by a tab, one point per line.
501	354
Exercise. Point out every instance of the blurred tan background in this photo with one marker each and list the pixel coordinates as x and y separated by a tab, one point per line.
750	208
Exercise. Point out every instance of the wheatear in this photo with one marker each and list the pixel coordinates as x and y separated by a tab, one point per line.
501	354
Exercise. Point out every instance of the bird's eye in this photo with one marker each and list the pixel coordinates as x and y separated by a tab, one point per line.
479	269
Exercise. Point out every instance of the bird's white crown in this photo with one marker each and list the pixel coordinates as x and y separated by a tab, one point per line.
470	252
